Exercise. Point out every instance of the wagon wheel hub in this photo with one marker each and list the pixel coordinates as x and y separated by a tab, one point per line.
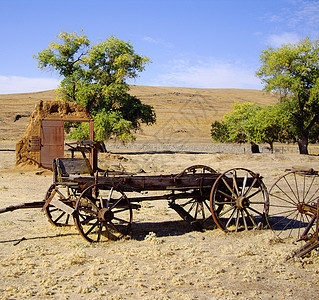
242	202
105	215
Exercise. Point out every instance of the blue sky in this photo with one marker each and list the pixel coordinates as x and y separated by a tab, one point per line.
191	43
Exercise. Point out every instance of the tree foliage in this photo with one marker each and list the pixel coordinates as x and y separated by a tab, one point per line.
250	122
95	76
293	71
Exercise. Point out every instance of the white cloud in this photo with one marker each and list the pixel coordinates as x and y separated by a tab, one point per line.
301	20
150	40
16	84
307	15
209	74
154	41
277	40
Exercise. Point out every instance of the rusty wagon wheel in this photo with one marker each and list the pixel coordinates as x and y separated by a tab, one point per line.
197	206
56	216
103	213
293	200
239	201
196	169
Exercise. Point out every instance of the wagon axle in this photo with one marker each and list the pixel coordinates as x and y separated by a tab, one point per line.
105	215
242	202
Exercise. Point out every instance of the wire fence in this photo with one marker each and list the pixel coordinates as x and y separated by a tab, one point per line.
207	148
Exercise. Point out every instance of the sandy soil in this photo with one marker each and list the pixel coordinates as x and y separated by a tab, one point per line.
163	259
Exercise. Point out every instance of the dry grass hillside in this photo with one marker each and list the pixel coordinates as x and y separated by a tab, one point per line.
184	115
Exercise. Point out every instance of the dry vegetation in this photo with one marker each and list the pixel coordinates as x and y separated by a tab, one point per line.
183	114
163	259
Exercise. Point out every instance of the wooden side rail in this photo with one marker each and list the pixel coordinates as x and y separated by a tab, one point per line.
64	167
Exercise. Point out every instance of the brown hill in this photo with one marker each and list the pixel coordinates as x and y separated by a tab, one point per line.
184	115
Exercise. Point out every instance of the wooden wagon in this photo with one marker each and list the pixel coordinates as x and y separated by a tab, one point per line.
101	202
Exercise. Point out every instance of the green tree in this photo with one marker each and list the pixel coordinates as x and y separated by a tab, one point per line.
239	122
293	71
95	76
250	122
219	132
236	126
270	124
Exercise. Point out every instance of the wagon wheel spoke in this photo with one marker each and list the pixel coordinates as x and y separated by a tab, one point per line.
224	202
286	194
282	196
293	188
290	225
187	202
244	219
193	204
86	219
60	216
244	184
249	189
305	189
314	197
253	194
235	183
260	213
92	227
287	213
116	202
114	227
237	220
245	206
109	197
281	206
88	212
293	203
99	232
226	211
121	220
231	216
233	195
313	191
111	221
202	210
250	217
121	210
206	205
56	216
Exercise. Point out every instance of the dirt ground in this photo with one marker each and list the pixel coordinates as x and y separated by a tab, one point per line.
163	259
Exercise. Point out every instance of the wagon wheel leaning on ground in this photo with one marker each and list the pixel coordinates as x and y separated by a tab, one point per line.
103	213
293	200
67	195
239	201
197	206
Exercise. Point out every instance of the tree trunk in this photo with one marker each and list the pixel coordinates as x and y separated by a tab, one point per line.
303	145
271	147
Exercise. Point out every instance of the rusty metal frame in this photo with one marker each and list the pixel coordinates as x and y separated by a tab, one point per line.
93	153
